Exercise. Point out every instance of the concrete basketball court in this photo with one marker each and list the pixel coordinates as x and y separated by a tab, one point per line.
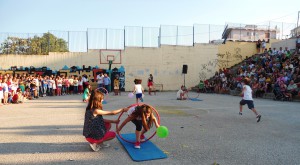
49	131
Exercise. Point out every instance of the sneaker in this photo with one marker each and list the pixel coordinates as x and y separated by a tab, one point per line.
137	145
258	118
240	113
95	147
142	138
104	145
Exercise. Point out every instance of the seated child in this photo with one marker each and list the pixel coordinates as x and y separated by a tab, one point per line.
181	94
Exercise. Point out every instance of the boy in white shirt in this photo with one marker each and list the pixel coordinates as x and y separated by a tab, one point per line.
247	99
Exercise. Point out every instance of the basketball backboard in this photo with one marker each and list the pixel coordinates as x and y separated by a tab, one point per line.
113	55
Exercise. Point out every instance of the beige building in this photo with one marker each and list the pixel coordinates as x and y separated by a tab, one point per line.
248	33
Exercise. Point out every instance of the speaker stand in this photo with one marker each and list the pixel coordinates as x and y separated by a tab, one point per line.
184	80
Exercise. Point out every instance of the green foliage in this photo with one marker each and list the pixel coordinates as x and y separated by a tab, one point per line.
35	45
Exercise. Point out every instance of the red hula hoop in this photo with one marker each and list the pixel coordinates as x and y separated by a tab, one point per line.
158	120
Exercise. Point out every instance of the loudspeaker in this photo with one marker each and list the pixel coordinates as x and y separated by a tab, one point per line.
184	69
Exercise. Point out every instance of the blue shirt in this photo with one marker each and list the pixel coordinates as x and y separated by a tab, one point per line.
106	80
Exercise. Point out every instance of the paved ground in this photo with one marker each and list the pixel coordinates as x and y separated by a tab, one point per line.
49	131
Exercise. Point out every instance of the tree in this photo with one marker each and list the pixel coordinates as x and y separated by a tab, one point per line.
35	45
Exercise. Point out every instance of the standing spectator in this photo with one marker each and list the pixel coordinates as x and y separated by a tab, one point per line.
64	87
85	81
71	82
100	78
116	86
59	85
75	83
107	82
45	86
298	45
67	84
263	45
80	85
150	83
1	92
258	45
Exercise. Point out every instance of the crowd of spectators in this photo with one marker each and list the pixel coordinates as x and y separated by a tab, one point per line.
19	88
270	70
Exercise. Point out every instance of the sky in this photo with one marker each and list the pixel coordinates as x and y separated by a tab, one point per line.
39	16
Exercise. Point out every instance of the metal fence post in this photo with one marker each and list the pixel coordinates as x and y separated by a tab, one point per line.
68	40
208	33
124	46
193	35
159	37
87	40
142	36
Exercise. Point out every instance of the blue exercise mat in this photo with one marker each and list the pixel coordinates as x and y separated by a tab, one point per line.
148	150
195	99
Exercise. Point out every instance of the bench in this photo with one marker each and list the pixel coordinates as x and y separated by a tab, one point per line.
158	86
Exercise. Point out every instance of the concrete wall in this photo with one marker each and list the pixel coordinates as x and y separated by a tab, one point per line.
290	43
165	63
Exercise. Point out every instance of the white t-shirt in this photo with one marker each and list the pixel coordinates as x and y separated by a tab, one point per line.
263	44
80	83
100	79
178	93
84	79
247	93
138	88
131	110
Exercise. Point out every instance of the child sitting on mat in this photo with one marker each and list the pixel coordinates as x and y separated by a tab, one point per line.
96	129
142	117
181	94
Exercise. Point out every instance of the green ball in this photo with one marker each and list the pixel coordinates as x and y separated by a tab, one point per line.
162	132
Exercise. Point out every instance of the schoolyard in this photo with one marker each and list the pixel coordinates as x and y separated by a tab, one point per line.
49	131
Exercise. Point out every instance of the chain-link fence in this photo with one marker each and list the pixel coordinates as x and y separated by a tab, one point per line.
137	36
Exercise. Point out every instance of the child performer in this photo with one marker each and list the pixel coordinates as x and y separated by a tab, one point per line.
142	117
181	94
86	93
247	99
139	90
96	129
